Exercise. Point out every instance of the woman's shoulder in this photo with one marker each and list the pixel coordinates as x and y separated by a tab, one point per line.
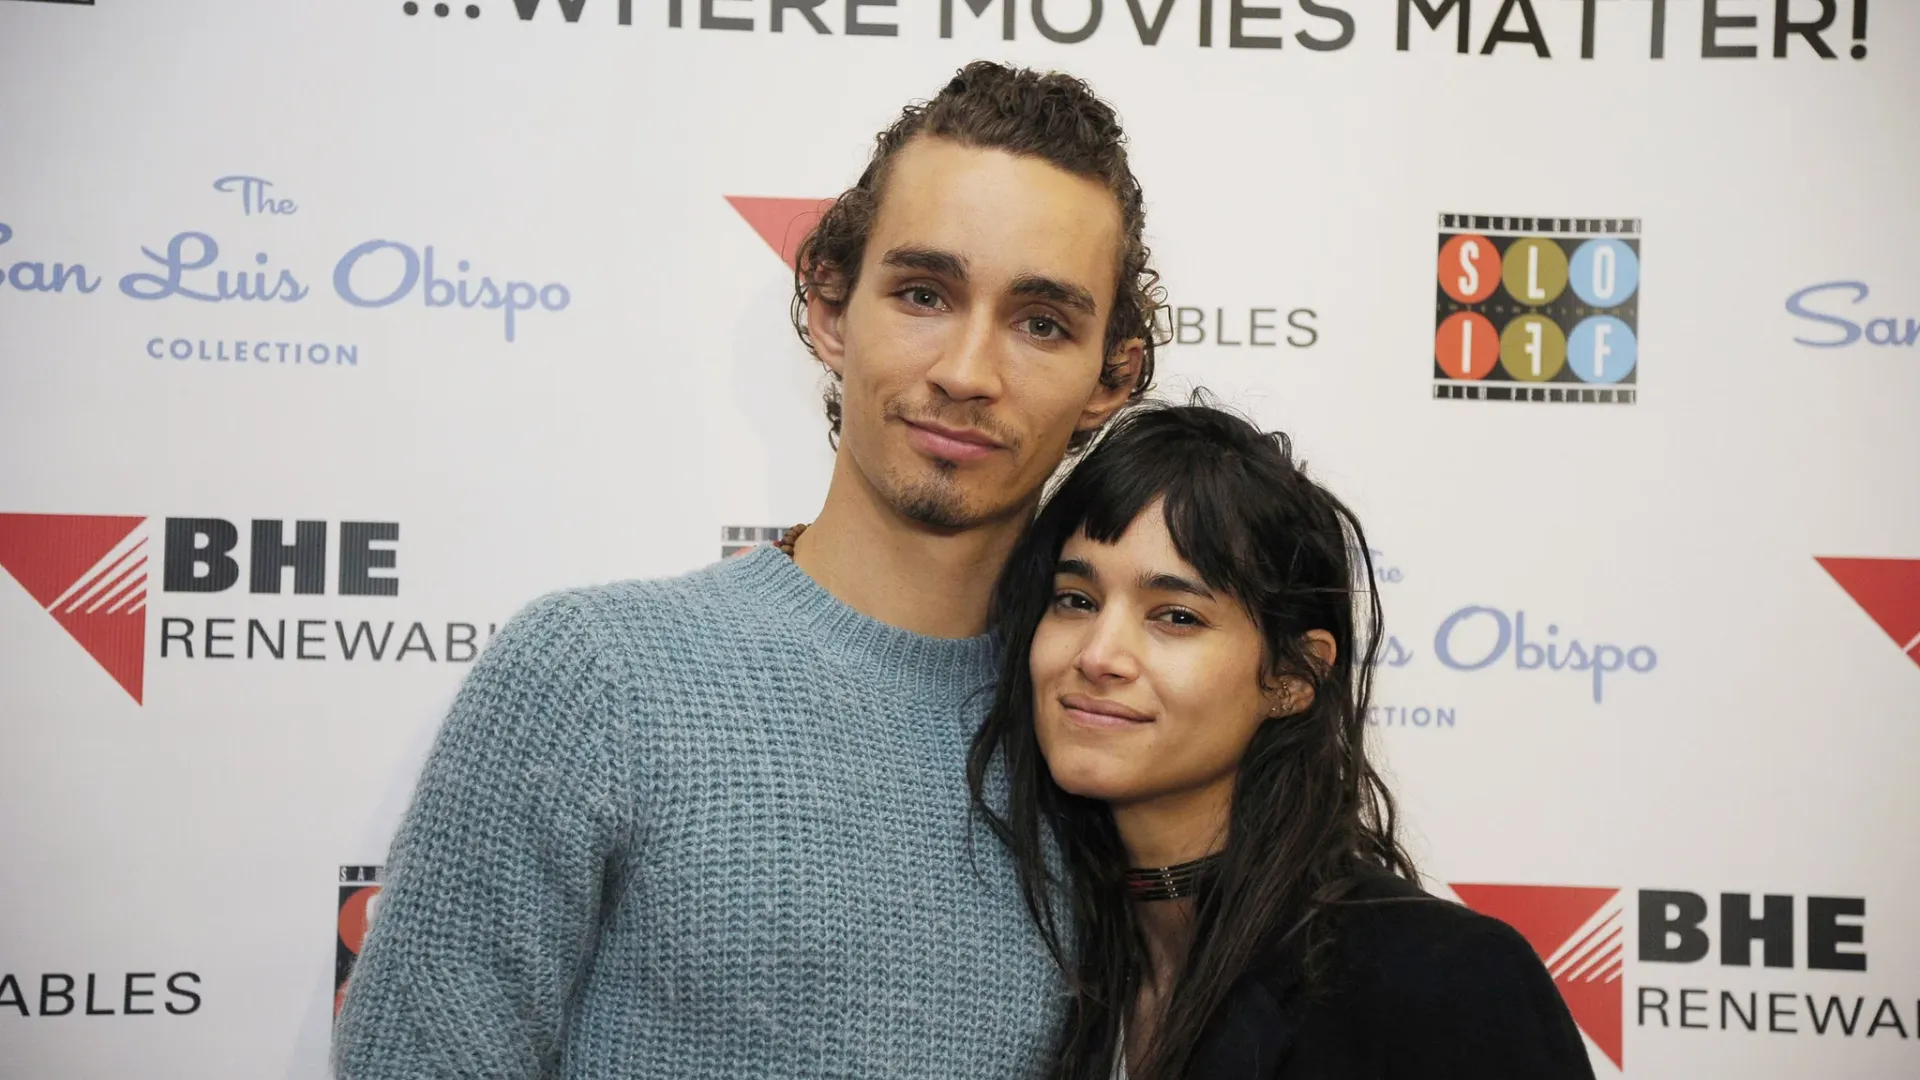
1385	915
1410	985
1412	979
1401	945
1394	944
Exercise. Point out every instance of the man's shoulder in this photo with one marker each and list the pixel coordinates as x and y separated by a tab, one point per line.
708	603
716	582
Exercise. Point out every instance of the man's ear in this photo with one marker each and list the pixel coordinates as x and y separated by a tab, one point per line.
824	319
1123	371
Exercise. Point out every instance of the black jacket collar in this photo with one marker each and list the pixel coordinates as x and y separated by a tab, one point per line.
1256	1027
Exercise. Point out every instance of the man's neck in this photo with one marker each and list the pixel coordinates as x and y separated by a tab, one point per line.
898	571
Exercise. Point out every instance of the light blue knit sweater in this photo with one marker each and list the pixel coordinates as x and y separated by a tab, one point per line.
710	826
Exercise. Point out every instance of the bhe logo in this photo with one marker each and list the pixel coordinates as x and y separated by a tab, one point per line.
1537	309
90	574
1581	936
93	575
1888	590
781	221
92	993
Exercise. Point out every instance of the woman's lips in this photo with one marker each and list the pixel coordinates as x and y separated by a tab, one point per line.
1101	713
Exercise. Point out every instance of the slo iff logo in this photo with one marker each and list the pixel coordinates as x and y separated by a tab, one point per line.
1537	309
359	895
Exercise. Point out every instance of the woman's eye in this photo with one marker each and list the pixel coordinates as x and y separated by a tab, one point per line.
1180	617
1072	601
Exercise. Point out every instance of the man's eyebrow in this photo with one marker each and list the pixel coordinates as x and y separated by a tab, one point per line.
930	260
1079	568
1059	292
1152	582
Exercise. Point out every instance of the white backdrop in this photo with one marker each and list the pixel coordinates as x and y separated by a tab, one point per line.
175	813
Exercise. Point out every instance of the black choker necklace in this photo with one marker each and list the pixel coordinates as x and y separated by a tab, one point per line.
1168	882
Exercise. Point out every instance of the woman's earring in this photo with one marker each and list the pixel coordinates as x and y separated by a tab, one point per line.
1284	697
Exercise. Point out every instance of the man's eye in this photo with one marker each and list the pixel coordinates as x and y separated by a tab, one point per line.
921	296
1045	329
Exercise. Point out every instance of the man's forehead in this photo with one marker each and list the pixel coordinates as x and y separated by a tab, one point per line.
1002	215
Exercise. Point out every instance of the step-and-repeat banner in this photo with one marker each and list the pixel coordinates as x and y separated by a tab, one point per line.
332	333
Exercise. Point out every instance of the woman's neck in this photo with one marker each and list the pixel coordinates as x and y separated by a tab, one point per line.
1174	829
1167	832
1167	926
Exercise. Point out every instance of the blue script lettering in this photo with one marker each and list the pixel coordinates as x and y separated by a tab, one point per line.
1381	571
39	277
1551	654
1442	641
1882	331
253	195
188	252
1394	654
417	268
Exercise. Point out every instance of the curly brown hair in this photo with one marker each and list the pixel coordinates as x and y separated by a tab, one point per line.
1047	115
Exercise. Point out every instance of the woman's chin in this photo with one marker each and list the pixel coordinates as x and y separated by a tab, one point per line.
1093	776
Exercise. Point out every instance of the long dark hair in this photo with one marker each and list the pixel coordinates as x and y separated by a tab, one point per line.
1309	811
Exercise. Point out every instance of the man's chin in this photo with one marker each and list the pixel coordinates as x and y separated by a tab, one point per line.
932	495
936	510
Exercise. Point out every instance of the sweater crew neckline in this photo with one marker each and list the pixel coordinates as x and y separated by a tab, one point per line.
875	649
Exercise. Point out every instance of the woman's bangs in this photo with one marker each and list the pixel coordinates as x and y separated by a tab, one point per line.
1110	498
1105	496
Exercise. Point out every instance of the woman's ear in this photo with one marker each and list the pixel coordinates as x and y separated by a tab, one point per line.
1325	650
1293	695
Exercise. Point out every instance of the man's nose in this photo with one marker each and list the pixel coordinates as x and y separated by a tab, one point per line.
969	368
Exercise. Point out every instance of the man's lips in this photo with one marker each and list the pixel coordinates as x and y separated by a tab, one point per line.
1101	713
949	444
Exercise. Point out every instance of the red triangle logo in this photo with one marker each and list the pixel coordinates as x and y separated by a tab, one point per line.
90	573
1889	590
783	223
1585	956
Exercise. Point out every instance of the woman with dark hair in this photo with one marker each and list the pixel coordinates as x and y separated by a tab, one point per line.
1189	632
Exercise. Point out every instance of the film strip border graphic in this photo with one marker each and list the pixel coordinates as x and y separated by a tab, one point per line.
1503	225
1536	308
735	539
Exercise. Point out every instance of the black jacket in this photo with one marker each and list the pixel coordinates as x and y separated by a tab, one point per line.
1415	987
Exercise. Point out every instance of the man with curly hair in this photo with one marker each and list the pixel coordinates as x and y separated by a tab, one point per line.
717	825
